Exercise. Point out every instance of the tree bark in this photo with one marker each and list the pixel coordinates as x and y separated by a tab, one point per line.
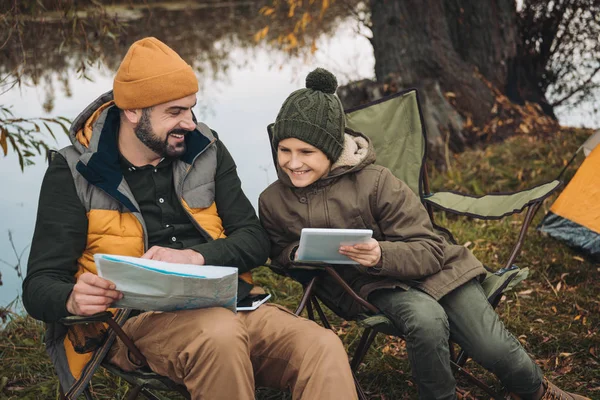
444	48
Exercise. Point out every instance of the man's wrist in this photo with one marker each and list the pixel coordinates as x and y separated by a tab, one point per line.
197	257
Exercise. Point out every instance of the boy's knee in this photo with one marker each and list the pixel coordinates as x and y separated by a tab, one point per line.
427	324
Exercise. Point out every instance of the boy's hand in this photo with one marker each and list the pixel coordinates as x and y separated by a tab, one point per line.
366	254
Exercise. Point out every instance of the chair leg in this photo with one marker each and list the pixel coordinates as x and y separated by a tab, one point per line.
494	395
309	310
319	310
61	392
363	346
359	390
135	392
306	296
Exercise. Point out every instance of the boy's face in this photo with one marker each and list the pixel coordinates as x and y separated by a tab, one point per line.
302	162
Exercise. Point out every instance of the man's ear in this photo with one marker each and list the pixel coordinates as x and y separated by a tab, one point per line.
133	116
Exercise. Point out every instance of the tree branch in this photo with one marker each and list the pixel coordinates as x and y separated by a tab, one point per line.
578	89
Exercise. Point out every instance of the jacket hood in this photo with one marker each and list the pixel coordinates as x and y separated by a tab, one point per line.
358	152
87	127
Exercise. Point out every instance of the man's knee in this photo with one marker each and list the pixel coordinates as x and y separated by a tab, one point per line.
327	343
221	333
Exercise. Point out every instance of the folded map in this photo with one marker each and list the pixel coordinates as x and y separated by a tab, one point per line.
162	286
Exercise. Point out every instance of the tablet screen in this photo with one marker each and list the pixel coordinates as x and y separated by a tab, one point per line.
322	245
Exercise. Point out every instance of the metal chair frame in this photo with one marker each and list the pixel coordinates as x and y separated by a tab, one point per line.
145	387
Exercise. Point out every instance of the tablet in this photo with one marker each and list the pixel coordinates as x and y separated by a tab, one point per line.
252	302
322	245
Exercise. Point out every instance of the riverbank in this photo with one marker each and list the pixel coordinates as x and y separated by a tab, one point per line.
555	313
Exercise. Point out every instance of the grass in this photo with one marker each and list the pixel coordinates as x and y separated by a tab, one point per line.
555	313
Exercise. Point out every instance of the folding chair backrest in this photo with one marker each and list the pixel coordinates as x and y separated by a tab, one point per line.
395	126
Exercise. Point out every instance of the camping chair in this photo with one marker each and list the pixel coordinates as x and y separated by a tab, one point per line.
142	381
395	126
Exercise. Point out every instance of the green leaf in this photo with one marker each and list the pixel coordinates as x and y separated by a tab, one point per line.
49	130
64	127
3	144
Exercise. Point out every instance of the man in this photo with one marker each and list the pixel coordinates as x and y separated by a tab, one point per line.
142	178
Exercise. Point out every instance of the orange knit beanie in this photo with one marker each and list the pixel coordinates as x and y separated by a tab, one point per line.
152	73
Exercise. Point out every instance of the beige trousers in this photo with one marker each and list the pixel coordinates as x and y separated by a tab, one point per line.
217	354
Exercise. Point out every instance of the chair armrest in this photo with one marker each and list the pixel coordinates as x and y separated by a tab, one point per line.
491	206
76	319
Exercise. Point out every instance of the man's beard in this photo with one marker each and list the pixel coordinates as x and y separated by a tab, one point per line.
146	135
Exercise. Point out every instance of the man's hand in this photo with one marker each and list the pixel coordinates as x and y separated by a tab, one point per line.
186	256
366	254
91	294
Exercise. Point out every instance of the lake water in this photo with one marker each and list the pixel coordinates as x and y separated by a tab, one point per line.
240	104
239	107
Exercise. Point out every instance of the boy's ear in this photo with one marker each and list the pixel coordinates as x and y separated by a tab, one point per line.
133	116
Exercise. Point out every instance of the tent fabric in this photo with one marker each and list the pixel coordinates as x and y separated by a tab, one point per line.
575	215
591	143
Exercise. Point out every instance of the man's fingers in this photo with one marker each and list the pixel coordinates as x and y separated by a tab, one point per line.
94	280
97	291
151	253
89	300
87	310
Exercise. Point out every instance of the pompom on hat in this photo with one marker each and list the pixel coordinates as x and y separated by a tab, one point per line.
314	115
150	74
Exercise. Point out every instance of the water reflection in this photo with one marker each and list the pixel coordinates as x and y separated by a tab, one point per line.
52	54
243	92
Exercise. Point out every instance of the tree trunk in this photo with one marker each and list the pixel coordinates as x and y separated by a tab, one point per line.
444	48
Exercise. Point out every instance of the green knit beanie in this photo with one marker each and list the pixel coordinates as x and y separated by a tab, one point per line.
314	115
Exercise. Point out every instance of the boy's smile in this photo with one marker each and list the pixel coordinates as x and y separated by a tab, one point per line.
302	162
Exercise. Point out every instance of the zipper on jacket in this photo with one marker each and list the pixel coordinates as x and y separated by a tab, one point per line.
179	192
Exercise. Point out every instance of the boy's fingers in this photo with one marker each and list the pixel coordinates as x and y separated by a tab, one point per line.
362	246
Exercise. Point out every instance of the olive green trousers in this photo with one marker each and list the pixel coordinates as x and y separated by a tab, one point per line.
464	316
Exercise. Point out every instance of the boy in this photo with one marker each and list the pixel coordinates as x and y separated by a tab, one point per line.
426	286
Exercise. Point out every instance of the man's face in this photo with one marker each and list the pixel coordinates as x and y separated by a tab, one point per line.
162	128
